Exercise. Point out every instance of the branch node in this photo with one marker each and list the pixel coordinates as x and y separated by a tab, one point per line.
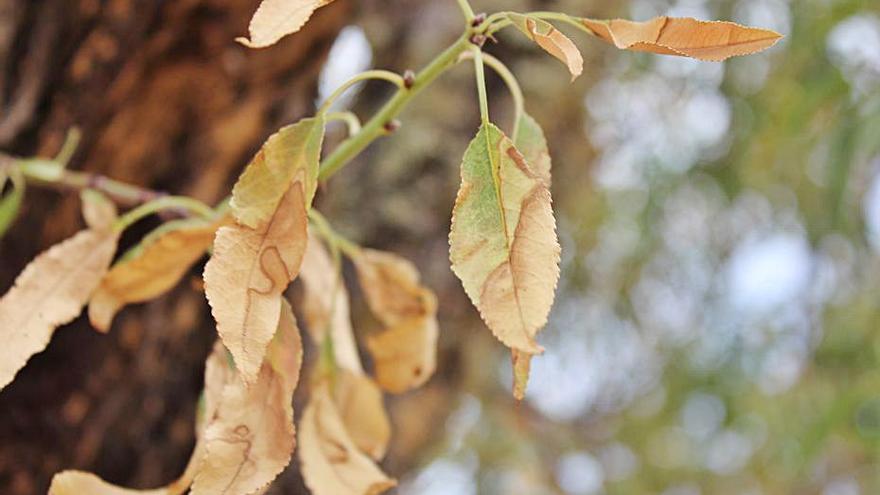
391	126
409	79
478	40
478	19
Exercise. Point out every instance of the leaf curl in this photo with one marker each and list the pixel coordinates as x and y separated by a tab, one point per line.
551	40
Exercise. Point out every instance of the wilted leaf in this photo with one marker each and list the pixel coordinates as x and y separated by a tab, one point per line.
152	268
405	351
325	305
530	141
331	462
250	438
246	275
551	40
503	243
11	202
98	211
291	154
360	405
275	19
705	40
51	291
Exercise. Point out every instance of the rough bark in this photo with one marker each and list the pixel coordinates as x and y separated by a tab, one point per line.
165	99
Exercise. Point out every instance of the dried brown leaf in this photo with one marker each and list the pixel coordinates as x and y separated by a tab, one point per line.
97	210
50	292
360	405
246	275
331	462
275	19
704	40
405	351
153	268
552	41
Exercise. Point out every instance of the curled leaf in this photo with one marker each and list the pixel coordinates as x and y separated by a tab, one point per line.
275	19
246	275
359	402
331	462
152	268
405	351
551	40
325	306
712	41
50	292
250	438
503	242
97	210
291	154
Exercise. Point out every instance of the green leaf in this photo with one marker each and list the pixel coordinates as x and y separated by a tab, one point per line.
291	154
503	243
11	203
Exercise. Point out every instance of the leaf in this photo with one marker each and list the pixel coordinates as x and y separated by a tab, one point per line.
79	482
530	141
360	405
331	462
275	19
10	204
251	437
97	210
503	243
405	351
551	40
50	292
152	268
246	275
704	40
325	306
291	154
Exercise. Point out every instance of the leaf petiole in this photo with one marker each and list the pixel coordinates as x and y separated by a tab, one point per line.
190	205
382	75
512	85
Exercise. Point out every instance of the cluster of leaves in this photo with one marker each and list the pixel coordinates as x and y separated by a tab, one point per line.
503	247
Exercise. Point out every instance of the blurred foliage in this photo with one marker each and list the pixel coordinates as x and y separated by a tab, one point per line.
716	329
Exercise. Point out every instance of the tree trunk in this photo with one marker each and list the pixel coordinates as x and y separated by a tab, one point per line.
164	99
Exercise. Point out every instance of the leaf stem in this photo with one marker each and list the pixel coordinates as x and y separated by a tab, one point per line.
481	84
512	85
557	16
190	205
337	241
466	9
376	126
352	122
383	75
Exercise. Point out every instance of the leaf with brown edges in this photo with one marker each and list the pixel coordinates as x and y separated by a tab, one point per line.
712	41
152	268
50	292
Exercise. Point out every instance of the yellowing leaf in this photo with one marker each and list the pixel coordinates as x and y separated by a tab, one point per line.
50	292
152	268
331	462
359	402
530	141
325	306
704	40
98	211
275	19
503	243
246	275
405	351
552	41
291	154
250	438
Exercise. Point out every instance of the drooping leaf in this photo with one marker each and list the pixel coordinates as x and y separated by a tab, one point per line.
325	306
290	155
11	202
50	292
331	462
530	141
359	402
503	242
405	351
251	437
97	210
153	267
275	19
551	40
246	275
704	40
